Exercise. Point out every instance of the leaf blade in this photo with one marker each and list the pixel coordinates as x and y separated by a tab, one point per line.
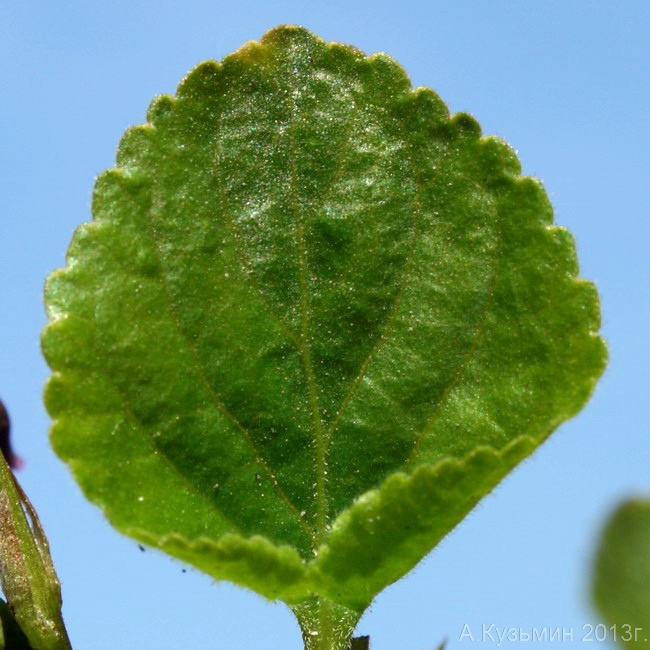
302	278
622	571
387	531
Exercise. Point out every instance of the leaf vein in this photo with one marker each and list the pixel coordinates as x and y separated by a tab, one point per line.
201	375
165	457
476	339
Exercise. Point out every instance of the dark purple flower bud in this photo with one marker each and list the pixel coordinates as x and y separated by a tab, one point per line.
15	462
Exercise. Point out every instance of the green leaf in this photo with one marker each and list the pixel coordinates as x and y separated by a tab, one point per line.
310	304
622	574
387	531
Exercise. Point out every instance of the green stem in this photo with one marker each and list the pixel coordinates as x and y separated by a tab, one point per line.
324	624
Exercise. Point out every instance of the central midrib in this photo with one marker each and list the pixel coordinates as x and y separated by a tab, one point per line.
305	343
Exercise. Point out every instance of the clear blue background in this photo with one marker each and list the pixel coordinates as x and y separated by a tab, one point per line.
565	82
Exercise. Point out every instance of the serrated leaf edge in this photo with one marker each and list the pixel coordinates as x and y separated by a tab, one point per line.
279	573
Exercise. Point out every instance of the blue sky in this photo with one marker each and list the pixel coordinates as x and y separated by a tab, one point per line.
566	83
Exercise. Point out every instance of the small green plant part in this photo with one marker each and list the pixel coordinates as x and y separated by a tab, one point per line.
31	618
314	320
622	575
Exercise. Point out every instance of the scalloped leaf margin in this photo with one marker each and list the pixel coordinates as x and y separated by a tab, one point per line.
84	401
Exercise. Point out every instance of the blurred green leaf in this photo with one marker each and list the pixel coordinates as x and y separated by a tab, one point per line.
622	574
315	319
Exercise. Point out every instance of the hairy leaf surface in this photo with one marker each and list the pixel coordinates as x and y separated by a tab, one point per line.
314	320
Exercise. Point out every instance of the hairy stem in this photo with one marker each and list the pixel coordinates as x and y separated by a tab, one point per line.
325	625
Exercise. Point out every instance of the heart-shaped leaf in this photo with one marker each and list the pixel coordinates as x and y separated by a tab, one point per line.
315	319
